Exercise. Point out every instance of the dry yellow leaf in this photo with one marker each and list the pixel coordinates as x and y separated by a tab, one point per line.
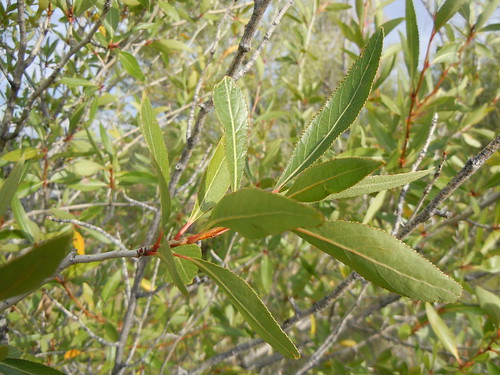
71	353
78	243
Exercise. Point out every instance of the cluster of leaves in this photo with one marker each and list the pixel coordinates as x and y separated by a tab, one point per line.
303	191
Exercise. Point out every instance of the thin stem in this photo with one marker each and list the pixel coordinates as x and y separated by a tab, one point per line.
404	190
471	167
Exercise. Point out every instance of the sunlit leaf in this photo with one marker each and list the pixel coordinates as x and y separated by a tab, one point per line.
383	260
333	176
253	310
231	109
214	184
256	213
76	82
339	112
447	10
373	184
131	65
442	331
412	38
490	304
158	149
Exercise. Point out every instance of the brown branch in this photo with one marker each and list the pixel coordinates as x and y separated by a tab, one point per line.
207	107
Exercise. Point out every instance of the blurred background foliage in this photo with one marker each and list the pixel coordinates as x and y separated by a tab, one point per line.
84	150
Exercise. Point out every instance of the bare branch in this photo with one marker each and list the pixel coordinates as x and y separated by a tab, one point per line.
404	190
332	338
276	21
471	167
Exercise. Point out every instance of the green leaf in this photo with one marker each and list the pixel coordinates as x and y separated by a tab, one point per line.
27	272
333	176
256	213
108	147
80	6
169	45
214	184
131	65
412	38
14	366
253	310
76	82
4	351
490	304
487	12
85	168
112	282
442	331
383	260
491	27
9	187
186	269
339	112
25	153
447	10
165	254
232	112
156	144
29	227
373	184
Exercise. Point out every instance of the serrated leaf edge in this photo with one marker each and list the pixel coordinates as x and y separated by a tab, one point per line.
385	266
340	85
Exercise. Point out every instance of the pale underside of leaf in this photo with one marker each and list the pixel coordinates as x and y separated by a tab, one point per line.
231	108
374	184
341	174
383	259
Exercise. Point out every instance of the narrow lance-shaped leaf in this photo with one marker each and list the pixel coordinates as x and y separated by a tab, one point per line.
412	38
154	139
131	65
333	176
165	254
383	260
447	10
28	226
490	304
488	11
214	184
374	184
339	112
256	213
442	331
27	272
253	310
231	109
9	187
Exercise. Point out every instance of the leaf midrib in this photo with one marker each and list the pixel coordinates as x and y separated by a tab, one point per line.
269	337
330	241
291	175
